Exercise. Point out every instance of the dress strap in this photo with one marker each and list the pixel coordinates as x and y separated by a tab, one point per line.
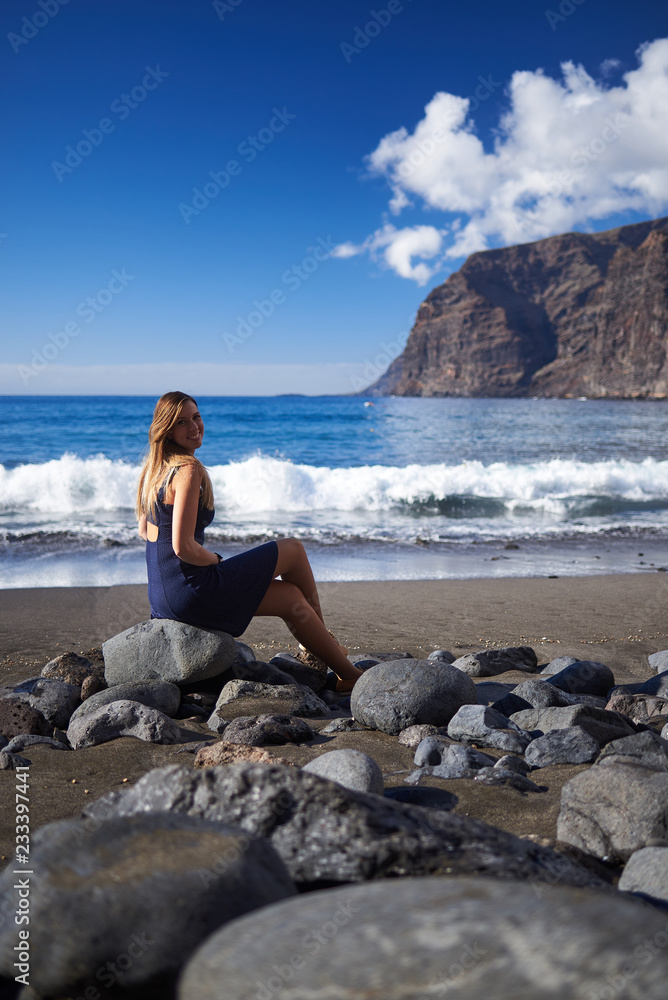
167	480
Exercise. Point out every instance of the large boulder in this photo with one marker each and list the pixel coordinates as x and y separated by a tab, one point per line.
160	695
122	718
140	892
614	809
399	693
350	768
165	650
469	938
489	662
327	833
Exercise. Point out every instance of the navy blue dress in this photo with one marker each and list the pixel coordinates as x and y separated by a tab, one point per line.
224	596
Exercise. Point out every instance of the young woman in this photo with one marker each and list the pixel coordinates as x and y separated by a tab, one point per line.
189	583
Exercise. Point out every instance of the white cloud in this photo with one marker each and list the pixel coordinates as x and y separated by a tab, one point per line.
205	379
567	153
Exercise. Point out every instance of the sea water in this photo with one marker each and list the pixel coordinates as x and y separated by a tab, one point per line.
389	488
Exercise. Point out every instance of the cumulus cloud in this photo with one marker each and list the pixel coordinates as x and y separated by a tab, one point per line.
566	154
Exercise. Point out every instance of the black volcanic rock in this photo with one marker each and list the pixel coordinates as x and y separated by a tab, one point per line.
582	314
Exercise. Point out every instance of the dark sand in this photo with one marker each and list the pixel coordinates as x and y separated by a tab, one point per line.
618	620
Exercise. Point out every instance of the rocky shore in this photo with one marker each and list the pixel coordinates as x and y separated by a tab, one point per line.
487	821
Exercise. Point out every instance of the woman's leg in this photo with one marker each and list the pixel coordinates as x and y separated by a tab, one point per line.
285	600
293	567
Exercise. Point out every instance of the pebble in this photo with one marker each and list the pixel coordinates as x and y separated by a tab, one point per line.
505	776
349	768
394	695
71	668
342	726
442	654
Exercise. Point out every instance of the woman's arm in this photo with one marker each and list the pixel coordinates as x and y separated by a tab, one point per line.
186	484
143	532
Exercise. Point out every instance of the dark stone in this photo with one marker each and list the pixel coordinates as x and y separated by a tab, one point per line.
248	698
350	768
557	665
603	726
584	677
71	668
55	699
298	672
425	796
326	833
261	673
659	661
404	939
444	655
394	695
489	662
647	748
91	685
562	746
412	736
165	650
153	886
17	716
261	730
657	686
122	718
342	726
507	777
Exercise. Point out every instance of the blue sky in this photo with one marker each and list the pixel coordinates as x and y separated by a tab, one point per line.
118	277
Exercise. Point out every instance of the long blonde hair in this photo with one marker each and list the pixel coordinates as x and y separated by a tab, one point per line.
165	454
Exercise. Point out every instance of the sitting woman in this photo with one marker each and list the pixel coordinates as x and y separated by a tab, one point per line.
189	583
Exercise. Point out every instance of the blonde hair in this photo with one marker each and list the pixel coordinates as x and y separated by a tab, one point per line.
165	454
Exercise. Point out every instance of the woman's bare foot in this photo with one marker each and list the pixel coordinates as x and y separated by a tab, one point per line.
344	686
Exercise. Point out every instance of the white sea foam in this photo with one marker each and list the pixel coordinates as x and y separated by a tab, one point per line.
261	484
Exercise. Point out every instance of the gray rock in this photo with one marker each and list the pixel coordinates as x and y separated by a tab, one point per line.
325	832
562	746
540	694
507	777
412	736
10	761
396	694
659	661
349	768
557	665
443	655
657	686
664	732
430	750
489	692
55	699
426	796
509	762
92	684
19	743
161	695
243	653
289	699
363	661
342	726
646	748
646	873
298	672
584	677
442	760
485	727
469	938
122	718
165	650
149	888
272	730
489	662
638	707
613	810
603	726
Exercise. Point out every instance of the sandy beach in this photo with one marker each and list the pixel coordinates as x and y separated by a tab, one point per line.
617	620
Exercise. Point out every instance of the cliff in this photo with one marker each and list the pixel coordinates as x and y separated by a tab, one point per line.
574	315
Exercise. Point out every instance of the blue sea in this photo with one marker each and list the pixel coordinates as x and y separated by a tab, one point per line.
382	489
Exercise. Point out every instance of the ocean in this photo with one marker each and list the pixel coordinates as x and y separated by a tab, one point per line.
382	489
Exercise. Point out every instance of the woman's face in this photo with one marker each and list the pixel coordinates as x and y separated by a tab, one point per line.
189	428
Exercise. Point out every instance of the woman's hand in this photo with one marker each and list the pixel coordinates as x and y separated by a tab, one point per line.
186	485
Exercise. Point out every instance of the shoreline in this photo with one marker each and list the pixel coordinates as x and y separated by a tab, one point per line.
618	617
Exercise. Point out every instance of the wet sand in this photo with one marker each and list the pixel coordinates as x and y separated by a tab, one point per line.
618	620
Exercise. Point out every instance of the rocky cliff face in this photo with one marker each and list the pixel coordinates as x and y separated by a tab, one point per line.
573	315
